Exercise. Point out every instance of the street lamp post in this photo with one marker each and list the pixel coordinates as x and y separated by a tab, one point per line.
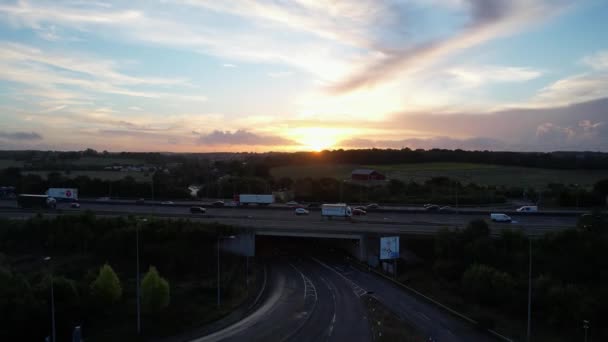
219	240
586	327
137	275
529	286
48	261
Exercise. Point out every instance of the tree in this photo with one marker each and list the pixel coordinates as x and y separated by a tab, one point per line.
476	229
106	288
155	294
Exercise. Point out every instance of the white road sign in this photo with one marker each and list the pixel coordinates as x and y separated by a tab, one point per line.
389	247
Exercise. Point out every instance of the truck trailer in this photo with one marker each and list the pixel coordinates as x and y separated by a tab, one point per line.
256	199
63	194
29	201
336	210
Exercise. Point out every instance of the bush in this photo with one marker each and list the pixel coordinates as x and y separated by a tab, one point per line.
106	288
154	292
487	285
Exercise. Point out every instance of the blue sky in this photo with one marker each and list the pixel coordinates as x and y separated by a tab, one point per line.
244	75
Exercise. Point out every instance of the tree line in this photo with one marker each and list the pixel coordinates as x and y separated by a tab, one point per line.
92	268
569	273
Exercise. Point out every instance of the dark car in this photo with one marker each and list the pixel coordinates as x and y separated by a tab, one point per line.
359	212
361	208
313	205
431	207
140	201
218	204
198	210
446	209
372	206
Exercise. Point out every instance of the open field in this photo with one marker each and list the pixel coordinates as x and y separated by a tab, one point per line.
6	163
464	172
104	175
95	161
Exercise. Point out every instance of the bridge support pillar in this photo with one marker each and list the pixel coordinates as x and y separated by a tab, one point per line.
362	248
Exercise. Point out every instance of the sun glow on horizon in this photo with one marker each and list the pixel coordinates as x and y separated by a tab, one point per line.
318	138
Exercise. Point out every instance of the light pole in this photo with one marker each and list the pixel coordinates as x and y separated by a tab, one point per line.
137	282
586	327
48	261
529	285
219	241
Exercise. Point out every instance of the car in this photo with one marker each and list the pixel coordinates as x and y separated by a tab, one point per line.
218	204
75	205
528	209
499	217
446	209
167	203
198	210
140	201
372	206
359	212
361	208
231	204
313	205
301	211
103	199
431	207
292	204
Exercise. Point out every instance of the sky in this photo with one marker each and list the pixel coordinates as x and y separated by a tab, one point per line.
294	75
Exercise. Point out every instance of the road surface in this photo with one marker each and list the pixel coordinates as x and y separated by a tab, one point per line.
376	222
319	299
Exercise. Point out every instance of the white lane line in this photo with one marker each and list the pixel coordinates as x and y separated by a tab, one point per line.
423	316
333	297
309	287
358	290
248	321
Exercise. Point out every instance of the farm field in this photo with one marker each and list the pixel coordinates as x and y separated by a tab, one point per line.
6	163
465	172
104	175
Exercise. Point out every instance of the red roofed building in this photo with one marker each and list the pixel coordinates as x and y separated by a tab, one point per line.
366	175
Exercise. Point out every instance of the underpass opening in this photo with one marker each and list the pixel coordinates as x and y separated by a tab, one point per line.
286	245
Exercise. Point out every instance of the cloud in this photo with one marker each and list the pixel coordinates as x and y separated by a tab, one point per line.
242	137
27	136
475	143
228	65
488	19
469	76
574	89
597	61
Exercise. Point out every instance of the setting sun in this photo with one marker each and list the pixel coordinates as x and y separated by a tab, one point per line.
318	138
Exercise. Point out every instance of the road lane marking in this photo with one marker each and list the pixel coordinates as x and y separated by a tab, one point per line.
358	290
333	297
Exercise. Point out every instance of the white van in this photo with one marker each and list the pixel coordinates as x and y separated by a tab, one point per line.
528	209
496	217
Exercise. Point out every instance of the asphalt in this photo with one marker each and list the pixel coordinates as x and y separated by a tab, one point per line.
305	303
319	299
375	222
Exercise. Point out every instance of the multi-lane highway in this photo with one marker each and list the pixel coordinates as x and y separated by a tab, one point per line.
319	298
285	219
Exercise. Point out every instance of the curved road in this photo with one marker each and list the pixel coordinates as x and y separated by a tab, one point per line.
305	302
318	299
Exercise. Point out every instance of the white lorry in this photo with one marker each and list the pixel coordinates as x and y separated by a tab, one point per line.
336	210
63	194
245	199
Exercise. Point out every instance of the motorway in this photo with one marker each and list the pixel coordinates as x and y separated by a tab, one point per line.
320	299
285	219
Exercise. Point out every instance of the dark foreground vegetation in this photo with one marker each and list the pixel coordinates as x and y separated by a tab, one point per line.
93	273
487	278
